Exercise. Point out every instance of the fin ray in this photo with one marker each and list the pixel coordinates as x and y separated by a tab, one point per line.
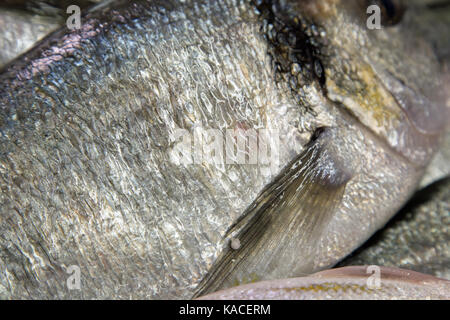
289	215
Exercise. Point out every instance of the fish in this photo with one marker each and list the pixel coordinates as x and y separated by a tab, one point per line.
104	195
347	283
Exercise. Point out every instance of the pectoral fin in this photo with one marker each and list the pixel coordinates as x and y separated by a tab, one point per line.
285	222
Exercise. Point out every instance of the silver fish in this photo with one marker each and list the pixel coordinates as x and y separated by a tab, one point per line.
89	121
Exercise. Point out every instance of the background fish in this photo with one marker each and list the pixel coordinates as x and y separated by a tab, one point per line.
344	284
20	31
88	131
24	23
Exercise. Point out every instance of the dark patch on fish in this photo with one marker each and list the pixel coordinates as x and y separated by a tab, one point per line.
439	5
294	45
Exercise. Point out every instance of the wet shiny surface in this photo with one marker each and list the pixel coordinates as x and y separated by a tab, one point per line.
88	121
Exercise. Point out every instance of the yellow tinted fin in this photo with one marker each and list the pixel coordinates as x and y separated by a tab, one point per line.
285	222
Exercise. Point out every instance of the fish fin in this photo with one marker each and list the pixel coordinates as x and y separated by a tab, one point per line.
290	214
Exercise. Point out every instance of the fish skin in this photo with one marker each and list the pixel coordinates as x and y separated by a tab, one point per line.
348	283
90	183
417	238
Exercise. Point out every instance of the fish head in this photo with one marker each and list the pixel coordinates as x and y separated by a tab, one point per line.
381	68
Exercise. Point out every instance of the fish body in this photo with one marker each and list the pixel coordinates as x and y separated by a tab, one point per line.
90	121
